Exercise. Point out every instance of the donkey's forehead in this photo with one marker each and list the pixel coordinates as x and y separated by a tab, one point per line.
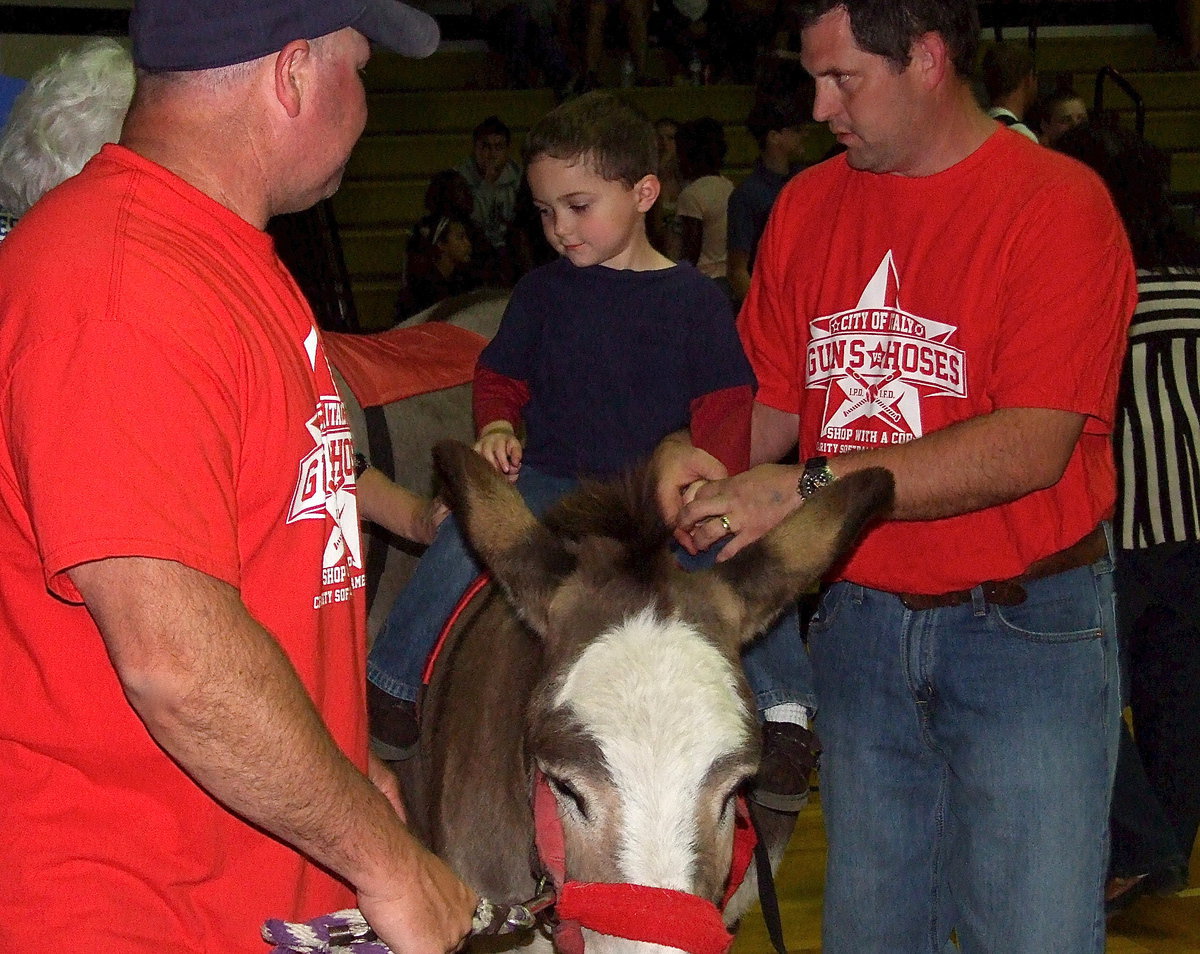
641	669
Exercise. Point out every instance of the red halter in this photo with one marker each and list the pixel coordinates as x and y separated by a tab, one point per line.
633	911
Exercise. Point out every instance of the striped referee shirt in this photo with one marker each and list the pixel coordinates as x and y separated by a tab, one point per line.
1158	421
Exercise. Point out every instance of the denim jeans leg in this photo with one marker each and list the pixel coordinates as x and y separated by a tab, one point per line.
968	761
777	665
881	784
1027	713
776	662
398	656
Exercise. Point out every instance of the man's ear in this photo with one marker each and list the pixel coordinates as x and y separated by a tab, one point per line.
291	64
646	189
930	59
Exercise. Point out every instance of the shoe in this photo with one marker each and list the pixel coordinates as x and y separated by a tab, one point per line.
1120	893
789	754
393	724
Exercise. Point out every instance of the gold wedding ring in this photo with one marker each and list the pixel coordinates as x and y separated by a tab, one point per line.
725	523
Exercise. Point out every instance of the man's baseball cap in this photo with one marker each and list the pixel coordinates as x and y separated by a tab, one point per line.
180	35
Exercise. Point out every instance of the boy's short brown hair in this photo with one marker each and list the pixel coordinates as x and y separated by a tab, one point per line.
616	140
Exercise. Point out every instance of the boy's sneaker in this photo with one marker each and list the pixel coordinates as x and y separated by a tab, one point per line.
393	724
789	755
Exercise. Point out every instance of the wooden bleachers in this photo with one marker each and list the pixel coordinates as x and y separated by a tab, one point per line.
422	113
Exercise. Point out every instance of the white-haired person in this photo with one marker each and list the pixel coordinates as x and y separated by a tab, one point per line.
60	120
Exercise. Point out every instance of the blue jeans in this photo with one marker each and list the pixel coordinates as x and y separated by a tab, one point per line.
776	663
969	756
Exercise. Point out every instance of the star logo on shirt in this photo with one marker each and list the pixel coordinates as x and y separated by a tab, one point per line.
877	363
325	484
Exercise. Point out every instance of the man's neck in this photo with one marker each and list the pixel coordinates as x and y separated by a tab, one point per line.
207	142
955	130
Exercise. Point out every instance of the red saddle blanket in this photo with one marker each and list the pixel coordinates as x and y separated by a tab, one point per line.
403	362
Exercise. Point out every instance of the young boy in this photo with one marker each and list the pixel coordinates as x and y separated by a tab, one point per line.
600	355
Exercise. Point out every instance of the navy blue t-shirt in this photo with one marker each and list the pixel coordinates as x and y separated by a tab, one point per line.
613	359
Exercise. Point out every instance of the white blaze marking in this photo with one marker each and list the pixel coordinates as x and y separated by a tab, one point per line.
662	703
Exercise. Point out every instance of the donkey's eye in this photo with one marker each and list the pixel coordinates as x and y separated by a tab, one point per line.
566	790
731	795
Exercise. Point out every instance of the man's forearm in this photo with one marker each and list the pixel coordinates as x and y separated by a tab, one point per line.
391	506
982	462
216	691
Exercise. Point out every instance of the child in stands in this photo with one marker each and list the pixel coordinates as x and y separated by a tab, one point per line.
599	356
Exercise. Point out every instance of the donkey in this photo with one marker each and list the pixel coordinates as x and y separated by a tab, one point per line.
600	666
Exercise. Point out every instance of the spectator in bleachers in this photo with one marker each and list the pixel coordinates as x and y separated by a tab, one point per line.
1010	79
751	28
439	264
1064	109
662	224
777	125
526	36
494	179
634	15
704	202
60	120
682	30
449	193
1156	798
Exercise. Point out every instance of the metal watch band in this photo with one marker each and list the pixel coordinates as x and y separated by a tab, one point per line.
816	475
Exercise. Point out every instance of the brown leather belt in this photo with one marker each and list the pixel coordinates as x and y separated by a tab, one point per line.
1011	592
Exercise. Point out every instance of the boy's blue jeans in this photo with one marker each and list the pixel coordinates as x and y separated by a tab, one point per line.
968	759
776	663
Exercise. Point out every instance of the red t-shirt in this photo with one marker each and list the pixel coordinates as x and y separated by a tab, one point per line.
884	308
167	396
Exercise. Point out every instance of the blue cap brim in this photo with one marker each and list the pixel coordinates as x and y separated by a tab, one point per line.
399	27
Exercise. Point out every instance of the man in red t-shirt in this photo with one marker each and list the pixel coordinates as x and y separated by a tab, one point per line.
950	301
183	748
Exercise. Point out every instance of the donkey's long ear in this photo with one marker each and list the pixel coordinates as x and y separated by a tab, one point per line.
756	584
524	557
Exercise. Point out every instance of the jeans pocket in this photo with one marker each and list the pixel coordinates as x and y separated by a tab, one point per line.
1057	609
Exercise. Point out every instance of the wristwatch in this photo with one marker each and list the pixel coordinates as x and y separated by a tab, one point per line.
360	465
815	476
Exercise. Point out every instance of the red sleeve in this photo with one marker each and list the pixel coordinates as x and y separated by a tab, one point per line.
721	425
497	397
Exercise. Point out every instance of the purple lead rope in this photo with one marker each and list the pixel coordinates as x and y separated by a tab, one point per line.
343	932
347	932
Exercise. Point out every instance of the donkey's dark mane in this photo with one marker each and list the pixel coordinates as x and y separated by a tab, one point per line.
625	510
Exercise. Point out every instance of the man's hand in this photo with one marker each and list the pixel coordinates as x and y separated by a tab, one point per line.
750	503
680	469
427	518
384	779
426	910
499	446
